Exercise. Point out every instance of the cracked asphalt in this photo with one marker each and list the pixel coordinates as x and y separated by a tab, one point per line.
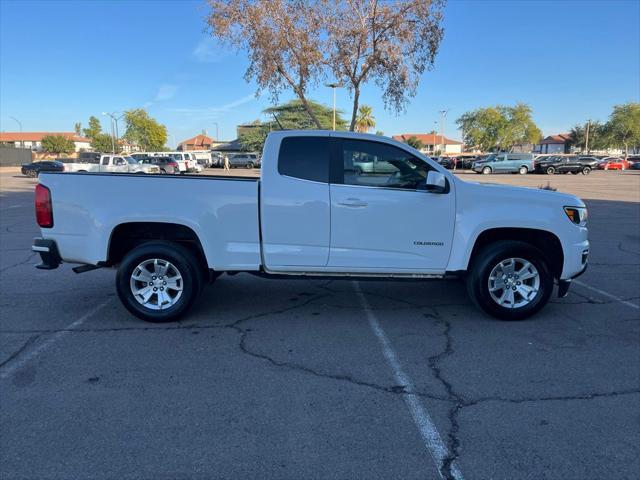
286	379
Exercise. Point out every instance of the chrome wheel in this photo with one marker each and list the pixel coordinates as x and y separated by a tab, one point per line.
156	284
514	283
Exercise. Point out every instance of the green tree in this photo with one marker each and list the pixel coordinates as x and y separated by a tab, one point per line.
102	142
380	132
144	130
78	128
599	137
365	120
624	126
57	144
415	142
500	127
94	128
292	115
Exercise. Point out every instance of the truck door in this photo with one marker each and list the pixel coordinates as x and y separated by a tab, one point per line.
382	221
295	206
105	161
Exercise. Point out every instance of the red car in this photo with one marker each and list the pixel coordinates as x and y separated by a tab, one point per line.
615	164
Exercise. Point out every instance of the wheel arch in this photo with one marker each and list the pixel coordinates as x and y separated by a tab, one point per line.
547	242
126	236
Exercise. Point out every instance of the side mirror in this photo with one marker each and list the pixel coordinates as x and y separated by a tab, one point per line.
436	182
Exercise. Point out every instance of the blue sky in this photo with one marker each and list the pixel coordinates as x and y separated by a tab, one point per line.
61	61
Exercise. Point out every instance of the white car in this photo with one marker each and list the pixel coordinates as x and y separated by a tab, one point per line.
111	163
312	213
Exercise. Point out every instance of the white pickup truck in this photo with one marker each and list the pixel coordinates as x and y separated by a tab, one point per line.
314	213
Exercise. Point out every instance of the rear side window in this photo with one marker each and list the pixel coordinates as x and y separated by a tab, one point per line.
305	157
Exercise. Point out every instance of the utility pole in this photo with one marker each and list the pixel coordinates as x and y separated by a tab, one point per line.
586	137
334	86
20	126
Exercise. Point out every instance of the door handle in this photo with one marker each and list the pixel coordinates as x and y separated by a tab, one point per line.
353	202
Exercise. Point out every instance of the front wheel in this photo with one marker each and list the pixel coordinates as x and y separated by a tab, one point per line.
486	170
158	281
586	170
551	170
510	280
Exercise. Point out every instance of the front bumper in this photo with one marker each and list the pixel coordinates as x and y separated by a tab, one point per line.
49	254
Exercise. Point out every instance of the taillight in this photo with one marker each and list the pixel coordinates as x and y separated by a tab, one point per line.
44	211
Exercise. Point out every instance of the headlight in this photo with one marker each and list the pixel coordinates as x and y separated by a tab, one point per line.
577	215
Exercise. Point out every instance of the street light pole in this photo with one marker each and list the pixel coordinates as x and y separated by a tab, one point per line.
334	86
443	114
217	136
114	120
20	126
586	139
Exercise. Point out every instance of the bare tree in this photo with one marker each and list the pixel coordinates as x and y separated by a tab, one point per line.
283	39
296	43
391	43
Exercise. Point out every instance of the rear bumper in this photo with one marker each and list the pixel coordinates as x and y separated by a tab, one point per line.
49	254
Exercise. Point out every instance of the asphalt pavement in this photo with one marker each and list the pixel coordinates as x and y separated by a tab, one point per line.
298	379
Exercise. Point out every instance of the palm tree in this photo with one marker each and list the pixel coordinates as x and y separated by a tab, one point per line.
365	120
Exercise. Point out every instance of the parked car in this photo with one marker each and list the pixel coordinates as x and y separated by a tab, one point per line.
614	163
246	160
310	214
203	157
446	162
464	162
112	164
565	164
521	163
33	169
165	164
632	160
634	166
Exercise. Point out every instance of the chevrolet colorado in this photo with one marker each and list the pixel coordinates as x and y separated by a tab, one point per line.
314	212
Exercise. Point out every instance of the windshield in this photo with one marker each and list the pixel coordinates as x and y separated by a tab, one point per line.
130	160
176	156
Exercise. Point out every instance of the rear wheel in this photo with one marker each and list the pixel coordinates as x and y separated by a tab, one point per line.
159	281
550	170
249	165
510	280
523	170
486	170
32	173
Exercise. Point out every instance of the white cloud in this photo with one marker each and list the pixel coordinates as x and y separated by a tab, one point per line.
166	91
209	51
213	112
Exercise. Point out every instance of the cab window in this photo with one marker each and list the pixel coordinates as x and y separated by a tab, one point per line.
375	164
306	158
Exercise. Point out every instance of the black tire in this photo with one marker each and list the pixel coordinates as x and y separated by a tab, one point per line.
523	170
32	173
492	255
586	170
184	261
249	165
550	170
486	170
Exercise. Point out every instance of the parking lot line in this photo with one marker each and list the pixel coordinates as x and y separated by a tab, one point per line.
606	294
428	431
19	362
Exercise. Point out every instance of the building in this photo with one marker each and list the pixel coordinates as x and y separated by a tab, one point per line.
432	142
199	142
33	140
560	143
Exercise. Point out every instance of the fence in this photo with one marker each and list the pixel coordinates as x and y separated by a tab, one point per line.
14	156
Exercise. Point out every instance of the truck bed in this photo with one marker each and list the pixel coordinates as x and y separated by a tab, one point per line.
221	210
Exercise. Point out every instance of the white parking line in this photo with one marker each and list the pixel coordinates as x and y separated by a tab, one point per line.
606	294
430	436
19	362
